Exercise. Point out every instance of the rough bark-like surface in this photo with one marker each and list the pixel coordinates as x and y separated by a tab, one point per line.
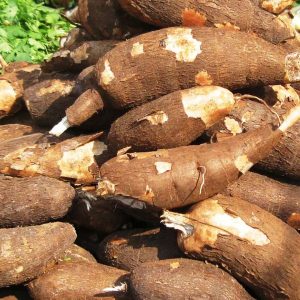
280	199
184	279
105	20
13	84
171	121
73	159
27	251
246	15
177	177
268	262
95	213
33	201
130	248
75	60
11	131
47	100
154	64
76	254
284	160
76	37
83	278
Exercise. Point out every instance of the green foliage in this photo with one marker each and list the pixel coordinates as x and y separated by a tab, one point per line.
29	31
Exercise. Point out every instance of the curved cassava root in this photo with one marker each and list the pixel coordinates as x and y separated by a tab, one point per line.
257	248
234	15
157	63
177	177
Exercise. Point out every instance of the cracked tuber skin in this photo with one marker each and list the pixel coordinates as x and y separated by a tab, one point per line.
184	279
157	63
128	249
33	201
258	249
235	15
279	198
26	252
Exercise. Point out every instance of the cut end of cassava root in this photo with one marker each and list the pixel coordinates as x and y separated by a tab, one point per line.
61	127
292	118
121	288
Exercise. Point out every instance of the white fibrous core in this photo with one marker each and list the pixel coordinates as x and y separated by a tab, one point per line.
137	49
233	126
208	103
107	76
243	164
182	42
163	167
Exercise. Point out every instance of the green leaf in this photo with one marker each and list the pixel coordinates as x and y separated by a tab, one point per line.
4	47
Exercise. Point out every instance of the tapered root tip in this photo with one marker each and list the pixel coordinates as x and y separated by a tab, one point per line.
122	288
61	127
292	118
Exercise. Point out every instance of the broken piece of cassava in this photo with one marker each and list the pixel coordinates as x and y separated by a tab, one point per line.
12	86
76	59
78	278
247	115
10	131
87	208
184	279
73	159
233	15
279	198
275	6
173	120
27	251
33	201
257	248
157	63
106	20
177	177
119	248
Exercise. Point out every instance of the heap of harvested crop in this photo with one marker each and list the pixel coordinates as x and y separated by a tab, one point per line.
134	126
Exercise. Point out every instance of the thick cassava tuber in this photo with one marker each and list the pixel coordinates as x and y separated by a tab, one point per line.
33	201
247	115
25	252
128	249
279	198
257	248
12	86
174	120
75	60
73	159
177	177
94	213
233	15
154	64
105	20
78	278
11	131
184	279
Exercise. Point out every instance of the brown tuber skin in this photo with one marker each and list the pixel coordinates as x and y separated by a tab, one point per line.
33	201
184	279
280	199
12	86
73	159
247	115
106	20
157	63
128	249
257	248
174	120
95	213
76	278
75	60
25	252
234	15
11	131
184	175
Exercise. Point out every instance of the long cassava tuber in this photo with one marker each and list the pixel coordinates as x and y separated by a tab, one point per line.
154	64
257	248
177	177
279	198
234	14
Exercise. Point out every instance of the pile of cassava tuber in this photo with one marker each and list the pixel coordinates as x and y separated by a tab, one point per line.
125	158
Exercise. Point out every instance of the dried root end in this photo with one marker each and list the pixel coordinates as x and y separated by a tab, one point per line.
121	288
292	118
61	127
